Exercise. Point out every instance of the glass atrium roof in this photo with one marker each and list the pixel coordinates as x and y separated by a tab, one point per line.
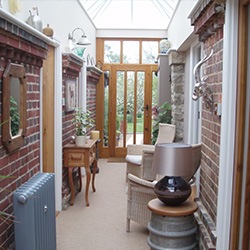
130	14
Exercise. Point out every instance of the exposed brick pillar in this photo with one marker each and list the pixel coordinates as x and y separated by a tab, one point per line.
71	68
177	72
208	19
93	76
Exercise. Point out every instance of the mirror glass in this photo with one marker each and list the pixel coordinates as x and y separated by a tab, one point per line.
14	106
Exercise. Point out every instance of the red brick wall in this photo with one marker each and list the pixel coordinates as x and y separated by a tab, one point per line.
22	164
211	126
71	71
208	21
91	99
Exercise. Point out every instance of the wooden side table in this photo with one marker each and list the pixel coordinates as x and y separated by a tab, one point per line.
81	157
172	227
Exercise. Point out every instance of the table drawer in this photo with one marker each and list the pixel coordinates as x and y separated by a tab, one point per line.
73	159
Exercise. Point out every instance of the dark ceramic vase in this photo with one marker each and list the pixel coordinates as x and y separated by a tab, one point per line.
172	190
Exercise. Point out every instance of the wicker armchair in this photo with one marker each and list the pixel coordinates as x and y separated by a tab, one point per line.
140	157
140	192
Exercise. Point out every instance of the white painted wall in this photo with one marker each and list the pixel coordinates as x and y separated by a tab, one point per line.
226	171
134	33
63	16
180	28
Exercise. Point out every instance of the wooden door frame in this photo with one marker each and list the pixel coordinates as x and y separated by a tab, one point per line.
120	152
48	86
240	139
103	151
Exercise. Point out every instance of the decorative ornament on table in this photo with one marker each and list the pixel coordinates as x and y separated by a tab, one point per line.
174	161
164	46
172	190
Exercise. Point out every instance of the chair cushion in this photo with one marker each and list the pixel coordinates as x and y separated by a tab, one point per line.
134	159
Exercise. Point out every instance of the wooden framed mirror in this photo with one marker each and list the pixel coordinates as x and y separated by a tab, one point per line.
14	106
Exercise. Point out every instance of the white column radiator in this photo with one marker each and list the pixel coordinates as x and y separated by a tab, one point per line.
34	211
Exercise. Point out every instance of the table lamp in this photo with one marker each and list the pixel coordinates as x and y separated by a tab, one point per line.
173	160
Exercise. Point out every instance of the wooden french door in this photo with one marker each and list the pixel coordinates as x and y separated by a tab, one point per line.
128	108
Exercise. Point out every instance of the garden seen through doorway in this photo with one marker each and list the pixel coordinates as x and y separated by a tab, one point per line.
130	93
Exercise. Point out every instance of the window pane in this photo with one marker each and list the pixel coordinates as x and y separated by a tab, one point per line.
119	108
139	107
131	52
106	108
154	98
112	51
130	106
149	52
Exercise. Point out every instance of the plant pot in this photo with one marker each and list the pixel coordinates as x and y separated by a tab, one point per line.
80	140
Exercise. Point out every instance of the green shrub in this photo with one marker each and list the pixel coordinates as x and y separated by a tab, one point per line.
162	115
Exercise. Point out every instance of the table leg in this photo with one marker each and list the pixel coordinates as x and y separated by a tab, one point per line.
88	177
93	176
80	179
71	184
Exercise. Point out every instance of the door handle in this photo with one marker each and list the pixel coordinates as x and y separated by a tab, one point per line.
146	107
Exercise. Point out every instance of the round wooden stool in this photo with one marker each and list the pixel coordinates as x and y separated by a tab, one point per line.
172	227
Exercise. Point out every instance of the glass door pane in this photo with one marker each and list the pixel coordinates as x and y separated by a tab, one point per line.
130	105
140	107
127	109
106	109
135	107
120	80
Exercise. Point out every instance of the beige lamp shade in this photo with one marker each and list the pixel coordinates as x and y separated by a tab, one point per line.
172	159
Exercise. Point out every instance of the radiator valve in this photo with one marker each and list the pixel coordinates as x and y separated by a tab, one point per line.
22	199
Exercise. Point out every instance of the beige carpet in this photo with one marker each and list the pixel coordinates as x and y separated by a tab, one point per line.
102	225
115	159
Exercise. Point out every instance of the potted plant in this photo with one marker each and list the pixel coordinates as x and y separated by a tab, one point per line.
83	122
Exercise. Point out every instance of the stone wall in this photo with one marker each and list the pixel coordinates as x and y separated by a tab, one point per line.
177	73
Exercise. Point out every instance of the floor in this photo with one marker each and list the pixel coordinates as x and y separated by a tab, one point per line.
102	225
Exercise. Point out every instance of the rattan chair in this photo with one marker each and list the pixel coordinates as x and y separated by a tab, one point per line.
140	192
140	157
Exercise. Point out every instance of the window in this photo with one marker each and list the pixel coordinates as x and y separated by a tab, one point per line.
112	51
131	51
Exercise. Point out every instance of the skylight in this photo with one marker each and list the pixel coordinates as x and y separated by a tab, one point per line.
130	14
